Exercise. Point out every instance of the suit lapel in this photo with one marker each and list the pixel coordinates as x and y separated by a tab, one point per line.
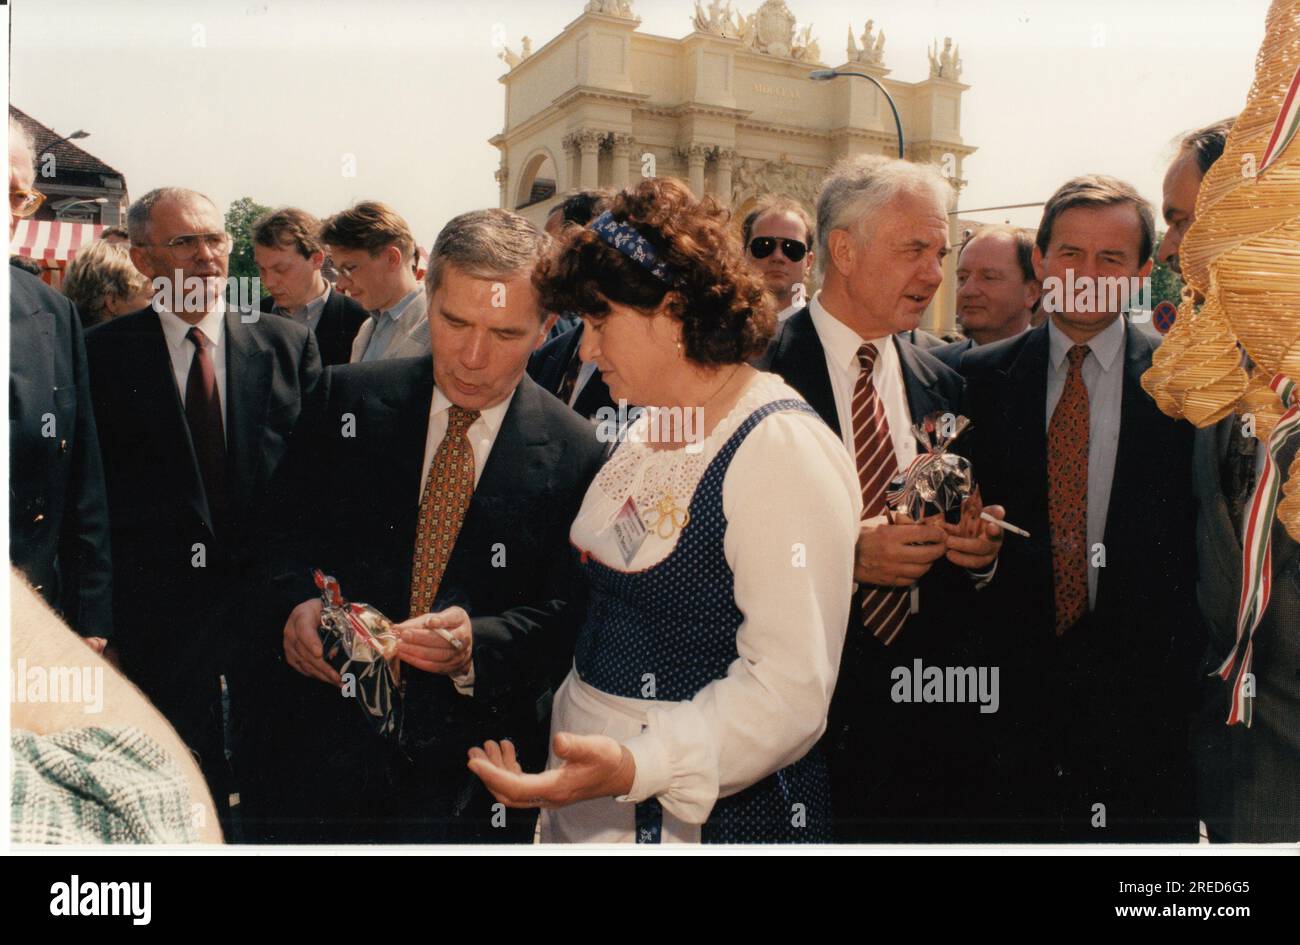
520	465
157	389
1022	406
923	397
515	451
801	360
248	387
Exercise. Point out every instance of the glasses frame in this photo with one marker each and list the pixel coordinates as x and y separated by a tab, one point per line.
174	246
785	245
33	195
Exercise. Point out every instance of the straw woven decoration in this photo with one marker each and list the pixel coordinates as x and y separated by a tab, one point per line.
1243	256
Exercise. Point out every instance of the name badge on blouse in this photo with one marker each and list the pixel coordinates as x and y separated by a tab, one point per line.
629	531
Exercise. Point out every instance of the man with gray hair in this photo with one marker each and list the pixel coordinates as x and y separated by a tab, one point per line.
882	234
446	499
58	516
199	402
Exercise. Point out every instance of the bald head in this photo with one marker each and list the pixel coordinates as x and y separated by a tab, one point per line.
140	215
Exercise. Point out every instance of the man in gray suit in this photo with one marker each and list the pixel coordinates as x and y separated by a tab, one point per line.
373	249
1246	777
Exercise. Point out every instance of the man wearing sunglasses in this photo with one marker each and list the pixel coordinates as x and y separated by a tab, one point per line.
778	237
58	516
198	402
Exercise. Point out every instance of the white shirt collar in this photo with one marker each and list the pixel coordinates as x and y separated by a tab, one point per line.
1104	345
176	330
492	416
840	341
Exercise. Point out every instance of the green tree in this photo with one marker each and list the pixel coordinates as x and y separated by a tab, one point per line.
239	224
1165	283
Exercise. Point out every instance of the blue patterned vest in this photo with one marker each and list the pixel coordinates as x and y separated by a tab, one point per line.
673	626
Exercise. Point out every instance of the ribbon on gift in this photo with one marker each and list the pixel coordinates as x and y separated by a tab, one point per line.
1286	126
1257	554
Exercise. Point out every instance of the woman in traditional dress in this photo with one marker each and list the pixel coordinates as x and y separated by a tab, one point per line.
718	543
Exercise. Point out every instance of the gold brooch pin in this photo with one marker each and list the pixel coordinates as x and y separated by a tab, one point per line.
671	516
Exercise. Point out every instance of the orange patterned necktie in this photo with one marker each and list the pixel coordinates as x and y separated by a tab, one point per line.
883	609
446	496
1067	494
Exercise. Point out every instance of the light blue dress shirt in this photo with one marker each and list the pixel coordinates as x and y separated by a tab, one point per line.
386	325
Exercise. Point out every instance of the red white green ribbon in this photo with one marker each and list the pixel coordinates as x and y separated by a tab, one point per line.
1288	123
1257	553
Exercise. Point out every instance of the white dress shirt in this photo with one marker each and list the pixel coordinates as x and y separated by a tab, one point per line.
482	433
1103	376
176	331
841	344
790	489
788	311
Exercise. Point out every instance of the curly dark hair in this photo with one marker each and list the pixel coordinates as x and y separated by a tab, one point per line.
726	316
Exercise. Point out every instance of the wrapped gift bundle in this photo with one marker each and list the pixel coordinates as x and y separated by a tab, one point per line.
937	481
361	644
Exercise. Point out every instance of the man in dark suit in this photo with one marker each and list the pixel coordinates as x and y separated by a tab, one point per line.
463	464
1092	617
289	254
997	289
1246	776
557	367
58	516
201	402
895	766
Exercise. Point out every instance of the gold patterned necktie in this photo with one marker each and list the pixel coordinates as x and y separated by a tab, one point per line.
446	496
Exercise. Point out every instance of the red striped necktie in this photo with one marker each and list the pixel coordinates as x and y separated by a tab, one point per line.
883	609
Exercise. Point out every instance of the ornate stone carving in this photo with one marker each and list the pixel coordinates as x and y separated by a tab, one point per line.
621	8
584	139
512	58
872	52
770	29
751	178
719	19
694	153
619	142
945	63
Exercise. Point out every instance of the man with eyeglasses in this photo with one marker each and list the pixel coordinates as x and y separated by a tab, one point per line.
58	516
199	402
778	237
373	249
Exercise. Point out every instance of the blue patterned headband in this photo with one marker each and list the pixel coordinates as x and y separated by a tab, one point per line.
634	246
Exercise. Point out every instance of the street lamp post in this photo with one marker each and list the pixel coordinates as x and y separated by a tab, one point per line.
75	136
61	210
825	75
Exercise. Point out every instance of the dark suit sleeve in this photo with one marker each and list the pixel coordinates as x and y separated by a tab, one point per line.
530	642
84	544
536	641
298	493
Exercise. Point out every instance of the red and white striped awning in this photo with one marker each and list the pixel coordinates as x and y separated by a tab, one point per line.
53	240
